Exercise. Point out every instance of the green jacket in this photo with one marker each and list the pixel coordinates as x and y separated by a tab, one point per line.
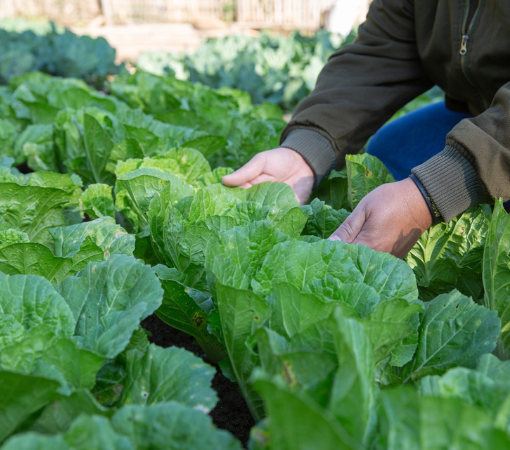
404	48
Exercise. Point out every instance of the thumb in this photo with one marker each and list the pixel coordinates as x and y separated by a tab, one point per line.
351	227
251	170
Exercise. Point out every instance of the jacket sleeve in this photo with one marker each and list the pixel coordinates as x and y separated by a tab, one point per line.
474	167
359	89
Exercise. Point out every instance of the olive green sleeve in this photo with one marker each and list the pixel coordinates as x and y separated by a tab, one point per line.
361	86
474	167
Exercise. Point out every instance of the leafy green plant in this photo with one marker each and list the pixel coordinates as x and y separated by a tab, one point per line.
55	51
271	68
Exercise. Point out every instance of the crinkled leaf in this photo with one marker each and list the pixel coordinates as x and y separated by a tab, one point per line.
33	209
143	184
27	302
37	259
240	252
413	422
171	425
449	255
103	232
323	220
454	331
97	201
301	263
108	300
168	374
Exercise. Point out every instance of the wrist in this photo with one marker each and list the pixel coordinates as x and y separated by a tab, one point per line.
434	212
301	164
417	205
315	149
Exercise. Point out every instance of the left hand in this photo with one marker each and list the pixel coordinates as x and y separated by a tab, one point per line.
390	219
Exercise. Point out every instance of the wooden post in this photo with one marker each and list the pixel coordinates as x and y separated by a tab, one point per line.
106	6
7	8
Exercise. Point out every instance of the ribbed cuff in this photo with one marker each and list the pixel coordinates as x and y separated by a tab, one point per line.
315	149
452	182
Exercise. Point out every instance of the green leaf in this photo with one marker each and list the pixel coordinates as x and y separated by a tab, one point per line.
35	144
143	184
242	313
237	269
103	232
33	209
75	246
213	177
496	273
36	441
354	396
303	366
58	415
172	374
413	422
323	220
20	396
364	173
297	423
97	201
27	302
98	147
184	308
301	263
454	331
473	388
389	324
37	259
449	255
86	433
8	135
334	190
171	425
12	236
41	354
292	311
207	145
108	300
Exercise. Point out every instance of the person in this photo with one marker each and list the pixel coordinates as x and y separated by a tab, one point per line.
446	157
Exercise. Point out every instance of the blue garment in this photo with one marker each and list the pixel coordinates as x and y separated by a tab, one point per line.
414	138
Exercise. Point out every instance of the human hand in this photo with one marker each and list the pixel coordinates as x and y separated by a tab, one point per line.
281	164
390	219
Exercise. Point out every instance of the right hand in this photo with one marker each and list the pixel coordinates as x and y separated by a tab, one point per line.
281	164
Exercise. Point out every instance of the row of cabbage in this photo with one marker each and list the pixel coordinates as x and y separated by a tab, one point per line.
45	47
332	345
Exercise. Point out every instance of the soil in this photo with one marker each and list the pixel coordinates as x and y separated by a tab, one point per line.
231	412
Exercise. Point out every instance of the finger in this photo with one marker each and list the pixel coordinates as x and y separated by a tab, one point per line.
245	174
349	230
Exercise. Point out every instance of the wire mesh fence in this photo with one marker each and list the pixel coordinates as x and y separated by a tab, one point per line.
286	14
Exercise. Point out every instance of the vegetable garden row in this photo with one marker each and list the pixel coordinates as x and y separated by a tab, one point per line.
112	209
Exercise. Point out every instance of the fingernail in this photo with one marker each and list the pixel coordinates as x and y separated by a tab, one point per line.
334	237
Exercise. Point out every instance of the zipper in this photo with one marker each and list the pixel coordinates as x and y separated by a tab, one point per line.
463	44
471	15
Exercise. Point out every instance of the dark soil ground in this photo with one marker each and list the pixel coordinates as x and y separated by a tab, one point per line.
231	412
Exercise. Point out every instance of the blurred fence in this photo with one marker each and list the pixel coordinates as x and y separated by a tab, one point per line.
284	14
66	12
